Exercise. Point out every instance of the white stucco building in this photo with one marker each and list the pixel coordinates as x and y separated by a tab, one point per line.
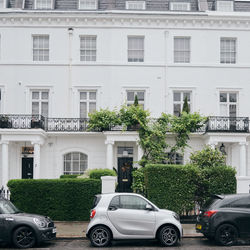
60	59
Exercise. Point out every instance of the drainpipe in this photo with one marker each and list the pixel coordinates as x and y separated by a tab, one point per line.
70	99
166	33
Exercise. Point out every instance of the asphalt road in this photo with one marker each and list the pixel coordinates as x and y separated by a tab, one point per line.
187	243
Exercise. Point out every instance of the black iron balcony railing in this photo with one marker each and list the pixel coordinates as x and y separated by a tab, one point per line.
22	121
227	124
214	124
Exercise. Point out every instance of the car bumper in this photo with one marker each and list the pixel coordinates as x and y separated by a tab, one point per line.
204	227
46	234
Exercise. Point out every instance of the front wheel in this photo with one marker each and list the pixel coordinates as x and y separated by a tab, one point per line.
100	236
24	237
168	236
226	235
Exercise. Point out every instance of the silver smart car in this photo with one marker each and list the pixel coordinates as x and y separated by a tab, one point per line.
131	216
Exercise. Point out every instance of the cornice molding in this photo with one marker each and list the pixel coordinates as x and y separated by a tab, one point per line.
124	21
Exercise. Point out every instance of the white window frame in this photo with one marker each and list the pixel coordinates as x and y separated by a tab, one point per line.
135	5
175	50
88	100
225	6
228	103
48	7
136	93
138	59
1	99
232	60
178	6
3	5
40	100
92	50
41	49
175	156
86	7
72	161
181	102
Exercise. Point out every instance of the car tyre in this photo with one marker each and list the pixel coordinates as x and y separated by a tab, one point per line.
100	236
226	235
24	237
168	235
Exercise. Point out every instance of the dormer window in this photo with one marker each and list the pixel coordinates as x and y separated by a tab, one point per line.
180	6
226	6
43	4
88	4
135	5
2	4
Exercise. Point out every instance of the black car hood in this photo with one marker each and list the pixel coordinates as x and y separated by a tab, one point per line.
17	215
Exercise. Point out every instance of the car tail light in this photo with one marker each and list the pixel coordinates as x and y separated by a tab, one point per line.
92	214
210	213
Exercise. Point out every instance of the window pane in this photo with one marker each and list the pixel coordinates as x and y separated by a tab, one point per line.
177	96
45	109
92	95
232	97
83	110
45	95
76	156
182	49
76	166
68	157
140	96
35	108
115	202
223	110
92	107
132	202
186	94
35	95
83	95
135	49
223	97
130	95
177	109
232	110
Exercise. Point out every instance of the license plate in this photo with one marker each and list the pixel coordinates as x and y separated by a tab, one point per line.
54	230
198	226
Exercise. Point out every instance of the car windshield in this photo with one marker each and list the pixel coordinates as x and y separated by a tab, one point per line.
210	202
6	207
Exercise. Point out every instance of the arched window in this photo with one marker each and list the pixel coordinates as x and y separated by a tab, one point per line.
75	163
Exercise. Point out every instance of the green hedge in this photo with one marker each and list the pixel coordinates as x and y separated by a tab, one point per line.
98	173
61	199
177	187
69	176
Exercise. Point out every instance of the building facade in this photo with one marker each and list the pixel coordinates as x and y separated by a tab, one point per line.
61	59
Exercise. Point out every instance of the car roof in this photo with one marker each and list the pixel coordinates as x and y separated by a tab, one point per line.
229	196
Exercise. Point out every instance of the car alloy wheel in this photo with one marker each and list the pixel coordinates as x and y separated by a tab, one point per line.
226	235
100	236
24	237
168	236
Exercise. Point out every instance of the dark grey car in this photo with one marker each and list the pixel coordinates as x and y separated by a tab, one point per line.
21	229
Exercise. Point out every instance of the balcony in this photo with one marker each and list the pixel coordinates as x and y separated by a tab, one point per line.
217	124
227	124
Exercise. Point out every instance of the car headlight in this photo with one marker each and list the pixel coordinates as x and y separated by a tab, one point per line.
40	223
176	216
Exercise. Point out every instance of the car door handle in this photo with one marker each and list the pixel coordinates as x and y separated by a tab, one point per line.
113	208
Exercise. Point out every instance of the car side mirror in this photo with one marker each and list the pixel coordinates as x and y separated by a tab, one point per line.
149	207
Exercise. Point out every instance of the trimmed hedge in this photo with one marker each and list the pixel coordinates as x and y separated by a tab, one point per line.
177	187
171	186
98	173
69	176
61	199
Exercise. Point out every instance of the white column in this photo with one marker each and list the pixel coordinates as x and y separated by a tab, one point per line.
109	154
140	152
5	163
36	168
243	162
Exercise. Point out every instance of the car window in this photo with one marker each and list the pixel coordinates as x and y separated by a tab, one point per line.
241	202
96	201
132	202
6	207
115	202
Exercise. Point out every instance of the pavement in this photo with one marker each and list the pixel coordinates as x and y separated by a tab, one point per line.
77	229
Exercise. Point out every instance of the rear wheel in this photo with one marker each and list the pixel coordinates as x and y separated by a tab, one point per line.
100	236
226	235
24	237
168	235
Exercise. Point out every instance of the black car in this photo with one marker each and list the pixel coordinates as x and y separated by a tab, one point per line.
21	229
225	218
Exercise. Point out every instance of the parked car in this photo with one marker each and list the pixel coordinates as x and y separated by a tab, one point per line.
131	216
225	218
21	229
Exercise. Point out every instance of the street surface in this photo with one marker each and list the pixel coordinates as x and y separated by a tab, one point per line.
187	243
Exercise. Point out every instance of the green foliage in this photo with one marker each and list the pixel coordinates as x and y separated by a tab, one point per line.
103	120
182	126
136	103
207	157
171	186
178	187
69	176
138	184
185	106
98	173
61	199
133	115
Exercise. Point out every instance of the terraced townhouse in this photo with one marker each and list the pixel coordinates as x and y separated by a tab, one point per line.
62	59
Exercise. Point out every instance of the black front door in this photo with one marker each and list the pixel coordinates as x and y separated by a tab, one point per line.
27	168
125	166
